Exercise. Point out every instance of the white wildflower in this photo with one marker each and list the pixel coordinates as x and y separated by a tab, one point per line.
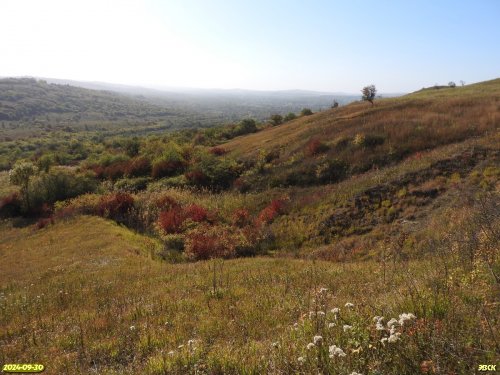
317	339
171	352
275	344
378	319
393	338
346	327
404	317
335	310
331	325
132	328
349	305
180	346
392	322
379	327
323	290
312	314
392	331
384	339
320	313
334	350
301	359
310	346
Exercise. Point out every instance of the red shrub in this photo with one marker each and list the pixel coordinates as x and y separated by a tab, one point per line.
115	205
196	213
218	151
270	212
241	217
98	170
171	221
315	147
211	242
138	167
166	168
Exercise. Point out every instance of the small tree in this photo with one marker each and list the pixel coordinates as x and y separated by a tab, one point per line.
369	93
335	104
20	175
452	84
462	83
247	125
291	116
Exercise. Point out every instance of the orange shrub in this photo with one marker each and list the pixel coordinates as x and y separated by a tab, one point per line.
138	167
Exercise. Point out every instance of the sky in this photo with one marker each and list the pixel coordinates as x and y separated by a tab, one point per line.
324	45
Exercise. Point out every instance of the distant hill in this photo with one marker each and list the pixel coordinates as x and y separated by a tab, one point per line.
31	106
26	98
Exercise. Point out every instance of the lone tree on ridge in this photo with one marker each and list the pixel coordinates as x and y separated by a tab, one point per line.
369	93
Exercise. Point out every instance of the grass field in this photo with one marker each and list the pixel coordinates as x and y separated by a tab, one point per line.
84	296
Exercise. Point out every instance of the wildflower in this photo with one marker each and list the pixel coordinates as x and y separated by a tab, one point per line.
132	328
331	325
379	327
349	305
346	327
334	350
296	326
378	319
392	322
310	346
320	313
393	338
301	359
335	310
323	290
392	331
191	343
311	314
317	339
383	340
274	344
171	352
180	346
404	317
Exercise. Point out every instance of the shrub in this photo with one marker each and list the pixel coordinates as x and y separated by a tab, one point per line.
138	167
306	112
315	147
205	242
218	151
331	171
166	202
277	119
197	178
115	206
291	116
241	217
197	213
131	184
170	221
270	212
246	126
167	168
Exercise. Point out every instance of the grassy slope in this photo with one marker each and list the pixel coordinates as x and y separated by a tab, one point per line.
72	293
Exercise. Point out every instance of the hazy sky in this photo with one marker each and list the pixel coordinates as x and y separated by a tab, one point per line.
255	44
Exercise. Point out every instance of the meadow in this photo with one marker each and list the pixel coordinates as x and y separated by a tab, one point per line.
359	240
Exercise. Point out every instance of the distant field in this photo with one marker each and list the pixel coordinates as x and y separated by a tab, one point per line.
84	297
